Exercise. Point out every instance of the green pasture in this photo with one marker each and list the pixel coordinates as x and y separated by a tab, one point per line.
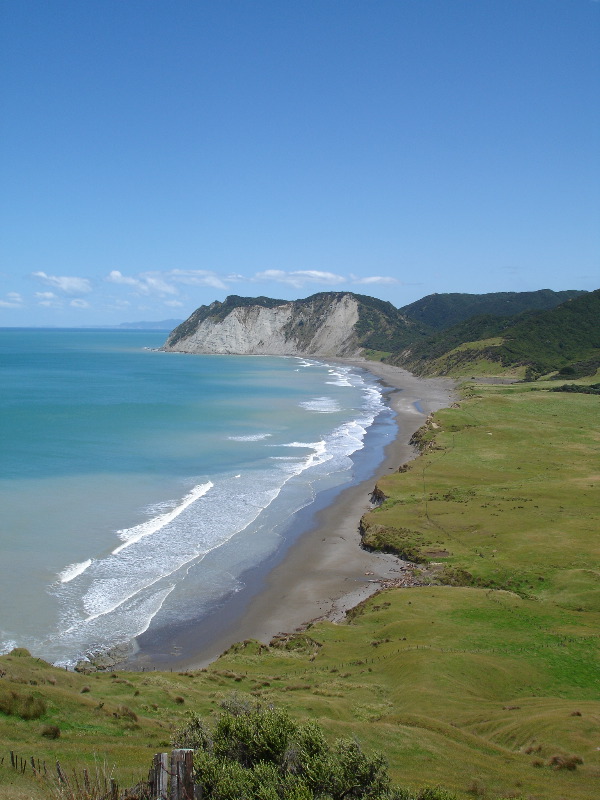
486	681
506	491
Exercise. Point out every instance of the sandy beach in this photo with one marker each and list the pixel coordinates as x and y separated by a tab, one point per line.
325	571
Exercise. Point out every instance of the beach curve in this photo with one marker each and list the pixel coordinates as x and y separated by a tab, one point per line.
324	572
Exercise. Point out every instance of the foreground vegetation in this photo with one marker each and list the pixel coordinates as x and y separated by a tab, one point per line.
253	751
485	681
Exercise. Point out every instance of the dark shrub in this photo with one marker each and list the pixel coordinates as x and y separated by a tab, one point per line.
50	731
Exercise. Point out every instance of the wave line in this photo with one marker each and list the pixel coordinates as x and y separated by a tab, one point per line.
132	535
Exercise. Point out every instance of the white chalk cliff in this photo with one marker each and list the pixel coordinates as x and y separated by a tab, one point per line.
286	329
330	324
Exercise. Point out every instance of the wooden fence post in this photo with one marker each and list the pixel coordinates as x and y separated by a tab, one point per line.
188	775
182	779
160	776
61	775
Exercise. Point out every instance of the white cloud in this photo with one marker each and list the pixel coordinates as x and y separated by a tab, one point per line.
173	303
316	276
197	277
157	284
65	283
48	299
79	303
117	277
166	284
299	278
374	279
147	283
13	300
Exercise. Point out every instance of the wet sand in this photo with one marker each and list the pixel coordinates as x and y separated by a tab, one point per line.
325	571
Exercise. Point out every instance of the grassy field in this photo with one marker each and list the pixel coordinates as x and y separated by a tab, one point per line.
487	681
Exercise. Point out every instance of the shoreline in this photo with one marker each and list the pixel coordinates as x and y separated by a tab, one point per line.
323	572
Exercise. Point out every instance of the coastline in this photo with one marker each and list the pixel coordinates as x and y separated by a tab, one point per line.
324	571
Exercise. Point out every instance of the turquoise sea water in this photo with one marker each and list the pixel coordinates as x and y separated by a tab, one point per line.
121	468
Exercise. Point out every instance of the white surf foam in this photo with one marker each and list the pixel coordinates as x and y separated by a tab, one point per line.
251	437
121	593
7	645
131	535
321	405
339	377
73	570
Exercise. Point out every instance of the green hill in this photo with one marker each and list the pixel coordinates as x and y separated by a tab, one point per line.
441	311
565	338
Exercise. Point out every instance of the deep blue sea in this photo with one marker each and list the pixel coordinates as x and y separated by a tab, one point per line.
122	467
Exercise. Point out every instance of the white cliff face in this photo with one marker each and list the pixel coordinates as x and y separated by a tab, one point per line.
283	330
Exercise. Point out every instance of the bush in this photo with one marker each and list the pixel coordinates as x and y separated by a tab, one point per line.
193	734
253	751
25	706
51	731
128	713
565	762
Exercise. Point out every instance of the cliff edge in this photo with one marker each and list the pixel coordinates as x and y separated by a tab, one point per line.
332	324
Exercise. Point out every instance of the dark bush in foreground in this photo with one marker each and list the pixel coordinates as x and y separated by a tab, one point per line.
254	752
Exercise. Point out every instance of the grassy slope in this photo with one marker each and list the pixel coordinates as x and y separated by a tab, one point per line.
467	687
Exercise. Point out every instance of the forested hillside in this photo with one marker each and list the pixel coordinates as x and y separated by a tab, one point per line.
565	338
441	311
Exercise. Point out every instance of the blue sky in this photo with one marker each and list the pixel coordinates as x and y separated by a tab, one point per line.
161	155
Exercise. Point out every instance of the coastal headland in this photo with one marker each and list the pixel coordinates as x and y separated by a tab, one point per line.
324	572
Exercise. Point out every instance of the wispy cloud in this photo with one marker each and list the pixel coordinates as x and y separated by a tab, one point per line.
117	277
48	299
173	303
199	277
68	284
300	278
79	303
374	280
13	300
168	283
146	283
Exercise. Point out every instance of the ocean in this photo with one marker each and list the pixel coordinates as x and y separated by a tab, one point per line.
126	474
